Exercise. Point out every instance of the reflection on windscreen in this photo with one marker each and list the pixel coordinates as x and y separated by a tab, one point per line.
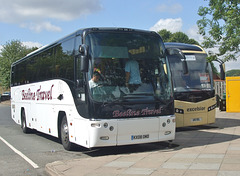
127	67
198	77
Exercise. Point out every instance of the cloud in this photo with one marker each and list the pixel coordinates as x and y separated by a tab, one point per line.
171	8
192	32
36	15
38	27
173	25
30	44
230	65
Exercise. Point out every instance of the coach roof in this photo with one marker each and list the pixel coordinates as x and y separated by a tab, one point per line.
184	47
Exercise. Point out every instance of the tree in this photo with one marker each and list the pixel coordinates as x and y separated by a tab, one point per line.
180	37
11	52
233	73
165	34
220	26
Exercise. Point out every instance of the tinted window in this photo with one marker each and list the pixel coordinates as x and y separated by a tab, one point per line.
65	60
55	62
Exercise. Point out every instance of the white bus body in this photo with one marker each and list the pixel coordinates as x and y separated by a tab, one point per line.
43	106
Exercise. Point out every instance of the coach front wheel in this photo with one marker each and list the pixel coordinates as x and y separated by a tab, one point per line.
65	135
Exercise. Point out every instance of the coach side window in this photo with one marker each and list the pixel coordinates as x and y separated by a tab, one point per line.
48	62
13	76
20	78
65	60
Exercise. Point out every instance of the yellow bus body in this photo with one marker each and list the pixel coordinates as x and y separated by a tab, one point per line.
193	114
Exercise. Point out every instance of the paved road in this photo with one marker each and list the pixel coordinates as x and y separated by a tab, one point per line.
39	148
42	149
212	150
33	151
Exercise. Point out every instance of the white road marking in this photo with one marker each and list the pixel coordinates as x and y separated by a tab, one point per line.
34	165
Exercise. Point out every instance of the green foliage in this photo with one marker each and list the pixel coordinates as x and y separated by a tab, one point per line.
233	73
179	37
11	52
165	34
220	26
214	69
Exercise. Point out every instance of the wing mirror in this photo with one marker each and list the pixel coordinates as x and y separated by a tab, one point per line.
178	53
83	49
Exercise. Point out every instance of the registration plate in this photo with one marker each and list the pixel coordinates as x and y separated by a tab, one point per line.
137	137
196	120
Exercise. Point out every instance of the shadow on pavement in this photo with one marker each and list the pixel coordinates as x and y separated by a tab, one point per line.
185	137
137	148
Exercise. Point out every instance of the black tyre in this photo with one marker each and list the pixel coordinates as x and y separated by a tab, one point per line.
65	135
24	127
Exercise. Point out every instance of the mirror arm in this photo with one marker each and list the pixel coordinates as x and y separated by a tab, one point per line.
222	69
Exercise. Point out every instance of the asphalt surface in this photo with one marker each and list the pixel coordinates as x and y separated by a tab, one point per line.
212	150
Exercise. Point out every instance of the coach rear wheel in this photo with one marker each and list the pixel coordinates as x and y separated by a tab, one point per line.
65	134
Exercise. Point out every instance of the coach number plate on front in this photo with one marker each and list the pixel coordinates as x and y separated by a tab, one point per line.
134	137
196	119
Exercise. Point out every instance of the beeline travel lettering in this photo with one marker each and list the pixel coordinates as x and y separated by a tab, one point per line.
39	95
134	113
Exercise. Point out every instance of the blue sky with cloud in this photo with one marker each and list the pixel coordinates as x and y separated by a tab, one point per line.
38	23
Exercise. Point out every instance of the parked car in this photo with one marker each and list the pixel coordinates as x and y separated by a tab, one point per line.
5	96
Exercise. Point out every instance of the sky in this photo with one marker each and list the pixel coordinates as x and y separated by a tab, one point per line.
40	22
